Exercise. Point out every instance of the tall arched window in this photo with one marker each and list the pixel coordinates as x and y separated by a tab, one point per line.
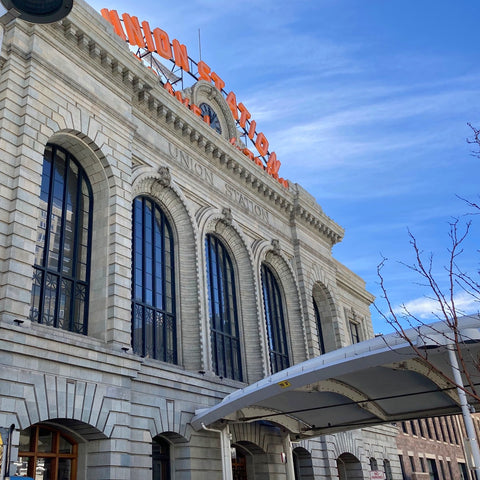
62	255
273	306
154	331
318	321
223	312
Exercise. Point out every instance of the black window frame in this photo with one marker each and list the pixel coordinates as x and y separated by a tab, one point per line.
154	319
275	320
318	321
50	290
222	299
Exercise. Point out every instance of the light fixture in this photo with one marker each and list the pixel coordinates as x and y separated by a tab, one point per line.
38	11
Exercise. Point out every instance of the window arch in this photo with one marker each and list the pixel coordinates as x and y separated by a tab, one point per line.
154	331
223	311
45	452
273	308
61	277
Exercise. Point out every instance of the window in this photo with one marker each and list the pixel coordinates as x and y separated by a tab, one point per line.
223	312
61	275
160	459
388	469
277	337
45	453
354	335
402	467
373	464
154	332
318	321
432	469
463	471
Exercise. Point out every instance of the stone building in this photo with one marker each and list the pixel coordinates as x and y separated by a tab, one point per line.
148	268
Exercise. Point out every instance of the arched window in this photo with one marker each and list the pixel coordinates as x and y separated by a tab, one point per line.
46	453
62	255
160	459
223	312
318	321
154	331
273	306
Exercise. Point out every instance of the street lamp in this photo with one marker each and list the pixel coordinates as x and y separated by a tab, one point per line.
37	11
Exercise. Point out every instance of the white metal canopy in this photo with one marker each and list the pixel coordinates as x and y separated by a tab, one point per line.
377	381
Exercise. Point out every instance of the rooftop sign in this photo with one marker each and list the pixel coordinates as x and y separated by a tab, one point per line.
157	42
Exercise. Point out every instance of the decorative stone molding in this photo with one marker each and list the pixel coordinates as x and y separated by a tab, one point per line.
227	216
165	178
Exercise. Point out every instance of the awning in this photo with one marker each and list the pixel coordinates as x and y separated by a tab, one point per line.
377	381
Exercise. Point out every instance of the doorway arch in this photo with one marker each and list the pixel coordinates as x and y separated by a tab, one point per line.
349	467
302	464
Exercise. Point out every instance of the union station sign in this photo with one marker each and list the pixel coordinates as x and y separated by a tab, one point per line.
157	42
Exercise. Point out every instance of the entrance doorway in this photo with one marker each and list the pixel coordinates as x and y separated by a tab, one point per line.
239	466
349	467
47	454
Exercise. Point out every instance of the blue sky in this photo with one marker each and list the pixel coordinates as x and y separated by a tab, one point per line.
366	104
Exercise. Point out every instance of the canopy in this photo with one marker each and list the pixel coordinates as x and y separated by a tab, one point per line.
372	382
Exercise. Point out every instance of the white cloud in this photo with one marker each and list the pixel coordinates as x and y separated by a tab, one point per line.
429	309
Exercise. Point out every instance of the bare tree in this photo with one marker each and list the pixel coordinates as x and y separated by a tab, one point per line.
442	288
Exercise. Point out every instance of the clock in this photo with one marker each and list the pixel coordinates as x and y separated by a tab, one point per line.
214	120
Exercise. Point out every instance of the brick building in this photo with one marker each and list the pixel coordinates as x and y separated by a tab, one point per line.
432	448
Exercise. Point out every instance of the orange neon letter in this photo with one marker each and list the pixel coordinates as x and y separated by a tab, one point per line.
248	153
206	119
196	110
203	71
162	43
113	18
219	83
134	32
244	115
179	97
251	130
168	87
148	36
180	54
232	103
273	165
261	143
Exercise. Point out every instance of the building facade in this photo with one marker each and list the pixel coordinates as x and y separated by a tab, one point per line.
149	268
433	448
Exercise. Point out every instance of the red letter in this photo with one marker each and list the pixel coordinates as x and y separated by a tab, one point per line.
163	43
219	83
148	36
248	153
261	143
112	17
180	54
196	110
206	119
273	165
168	87
134	32
232	103
244	115
251	130
203	71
